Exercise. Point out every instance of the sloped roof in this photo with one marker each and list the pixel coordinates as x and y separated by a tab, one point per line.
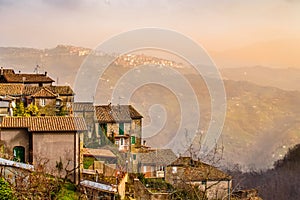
83	106
116	113
98	186
11	89
11	77
44	92
159	156
45	124
60	90
17	89
98	153
199	171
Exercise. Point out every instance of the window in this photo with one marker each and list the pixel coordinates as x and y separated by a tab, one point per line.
19	154
174	170
42	102
121	128
57	102
160	168
122	141
134	156
132	139
103	129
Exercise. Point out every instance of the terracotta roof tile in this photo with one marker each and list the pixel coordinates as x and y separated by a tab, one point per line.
27	78
45	124
159	156
44	92
11	89
16	89
98	152
116	113
60	90
198	171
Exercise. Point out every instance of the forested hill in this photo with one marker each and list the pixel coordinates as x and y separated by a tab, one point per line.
280	183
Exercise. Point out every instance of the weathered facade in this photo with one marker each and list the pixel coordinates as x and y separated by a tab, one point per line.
53	140
50	100
186	171
37	89
122	124
154	162
87	111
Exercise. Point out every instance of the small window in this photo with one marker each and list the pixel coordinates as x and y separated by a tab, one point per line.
42	102
58	102
121	128
132	139
19	154
174	170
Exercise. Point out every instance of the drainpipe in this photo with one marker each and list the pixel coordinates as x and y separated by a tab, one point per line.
74	164
228	189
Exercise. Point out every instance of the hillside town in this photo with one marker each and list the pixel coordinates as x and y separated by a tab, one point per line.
98	148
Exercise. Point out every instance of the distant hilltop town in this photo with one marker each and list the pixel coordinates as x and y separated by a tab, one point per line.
126	60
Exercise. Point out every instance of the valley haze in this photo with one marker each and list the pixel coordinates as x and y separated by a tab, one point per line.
262	114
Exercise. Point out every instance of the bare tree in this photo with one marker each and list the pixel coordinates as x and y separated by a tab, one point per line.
199	175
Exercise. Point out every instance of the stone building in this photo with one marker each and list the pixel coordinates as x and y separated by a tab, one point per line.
51	139
122	124
186	171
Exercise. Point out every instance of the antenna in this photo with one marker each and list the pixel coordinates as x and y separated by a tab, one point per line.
36	69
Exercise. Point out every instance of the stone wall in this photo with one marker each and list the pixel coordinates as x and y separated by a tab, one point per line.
12	138
142	193
55	147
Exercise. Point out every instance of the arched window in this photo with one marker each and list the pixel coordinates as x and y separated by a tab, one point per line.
19	154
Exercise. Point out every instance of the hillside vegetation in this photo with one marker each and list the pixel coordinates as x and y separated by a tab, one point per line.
280	183
261	123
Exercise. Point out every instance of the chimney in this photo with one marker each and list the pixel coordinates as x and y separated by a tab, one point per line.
144	142
45	73
2	71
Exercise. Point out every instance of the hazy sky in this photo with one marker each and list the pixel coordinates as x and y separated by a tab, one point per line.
217	25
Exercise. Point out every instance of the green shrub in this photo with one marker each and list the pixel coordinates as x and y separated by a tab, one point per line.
5	190
68	192
87	162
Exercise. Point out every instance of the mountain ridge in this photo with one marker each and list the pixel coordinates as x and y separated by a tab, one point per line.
261	120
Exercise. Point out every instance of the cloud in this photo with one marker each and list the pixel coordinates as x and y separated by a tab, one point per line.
66	4
6	3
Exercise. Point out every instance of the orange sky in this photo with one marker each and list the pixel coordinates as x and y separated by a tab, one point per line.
234	32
